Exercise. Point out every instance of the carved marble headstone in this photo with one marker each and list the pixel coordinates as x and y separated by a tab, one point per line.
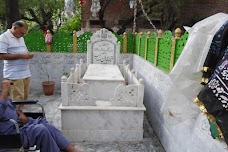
103	48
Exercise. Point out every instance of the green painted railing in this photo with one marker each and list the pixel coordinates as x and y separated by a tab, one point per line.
160	49
82	42
62	42
35	41
151	42
164	51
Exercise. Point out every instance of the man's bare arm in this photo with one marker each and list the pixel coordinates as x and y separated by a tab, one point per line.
22	117
4	56
5	90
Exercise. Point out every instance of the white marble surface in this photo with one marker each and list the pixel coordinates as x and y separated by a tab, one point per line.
126	95
188	136
103	80
103	72
57	64
101	123
103	52
150	142
103	48
77	94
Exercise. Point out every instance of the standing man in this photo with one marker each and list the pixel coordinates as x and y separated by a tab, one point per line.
16	60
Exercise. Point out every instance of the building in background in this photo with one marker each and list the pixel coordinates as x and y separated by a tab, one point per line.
118	13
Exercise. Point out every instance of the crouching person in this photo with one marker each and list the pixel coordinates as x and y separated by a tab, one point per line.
37	132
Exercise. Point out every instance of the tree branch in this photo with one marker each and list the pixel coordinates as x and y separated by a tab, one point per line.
26	18
35	17
129	20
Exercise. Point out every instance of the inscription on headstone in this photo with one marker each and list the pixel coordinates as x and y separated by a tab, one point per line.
103	53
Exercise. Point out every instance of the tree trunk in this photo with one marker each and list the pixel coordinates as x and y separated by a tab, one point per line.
12	12
168	15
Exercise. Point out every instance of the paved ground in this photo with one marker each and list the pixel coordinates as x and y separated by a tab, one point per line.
150	141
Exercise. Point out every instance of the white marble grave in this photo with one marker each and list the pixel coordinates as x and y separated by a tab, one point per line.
103	79
102	100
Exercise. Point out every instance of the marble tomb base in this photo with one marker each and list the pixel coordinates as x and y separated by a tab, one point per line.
100	123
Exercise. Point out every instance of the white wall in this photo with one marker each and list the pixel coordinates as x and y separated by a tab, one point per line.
57	64
192	135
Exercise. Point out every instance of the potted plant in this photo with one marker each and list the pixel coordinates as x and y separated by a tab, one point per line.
48	86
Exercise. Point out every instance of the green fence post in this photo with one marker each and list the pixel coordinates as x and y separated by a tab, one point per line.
146	46
75	42
174	40
141	33
135	43
125	42
160	32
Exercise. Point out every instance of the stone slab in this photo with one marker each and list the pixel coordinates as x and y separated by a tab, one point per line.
103	72
103	80
99	123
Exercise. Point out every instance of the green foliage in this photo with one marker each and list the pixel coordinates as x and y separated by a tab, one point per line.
177	4
73	24
2	15
41	12
38	6
153	8
2	8
50	12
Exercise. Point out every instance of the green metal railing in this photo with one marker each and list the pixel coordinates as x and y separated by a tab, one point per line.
160	49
